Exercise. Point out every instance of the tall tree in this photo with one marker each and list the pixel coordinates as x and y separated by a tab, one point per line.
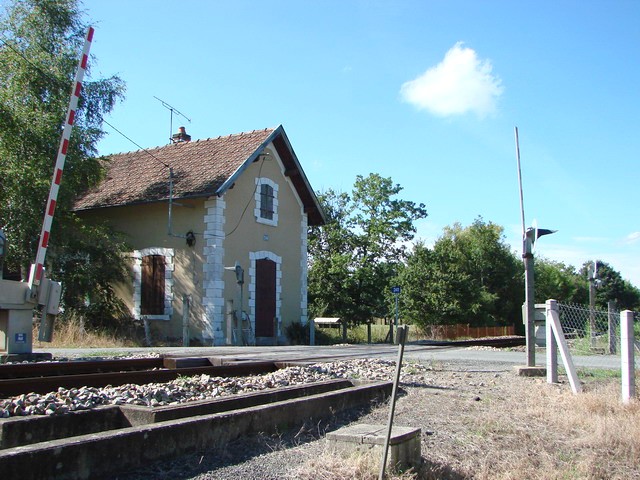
435	288
470	276
40	44
611	287
555	280
356	254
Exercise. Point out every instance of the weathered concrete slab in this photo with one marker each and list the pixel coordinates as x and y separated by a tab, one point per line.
17	431
139	415
404	443
100	454
525	371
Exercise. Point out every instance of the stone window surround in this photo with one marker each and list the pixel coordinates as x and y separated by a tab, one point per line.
168	254
258	196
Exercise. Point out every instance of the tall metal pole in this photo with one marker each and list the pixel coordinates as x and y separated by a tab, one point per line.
402	337
527	256
520	181
592	304
396	324
529	301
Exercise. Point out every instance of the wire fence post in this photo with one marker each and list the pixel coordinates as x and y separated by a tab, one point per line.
627	355
551	344
613	326
401	334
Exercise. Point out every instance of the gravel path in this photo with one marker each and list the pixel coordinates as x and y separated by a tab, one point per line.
424	387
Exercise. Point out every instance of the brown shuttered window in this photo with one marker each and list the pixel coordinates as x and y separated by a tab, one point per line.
152	288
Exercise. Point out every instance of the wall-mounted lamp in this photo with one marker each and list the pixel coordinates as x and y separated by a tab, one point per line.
191	238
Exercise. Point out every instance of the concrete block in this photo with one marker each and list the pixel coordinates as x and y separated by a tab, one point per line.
524	371
103	454
404	444
20	431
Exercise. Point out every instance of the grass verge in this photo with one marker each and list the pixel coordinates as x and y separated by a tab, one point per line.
71	333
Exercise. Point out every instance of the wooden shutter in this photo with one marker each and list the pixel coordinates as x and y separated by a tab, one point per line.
152	288
265	297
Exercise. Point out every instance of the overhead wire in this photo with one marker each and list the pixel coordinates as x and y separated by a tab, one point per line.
253	194
164	164
61	82
51	76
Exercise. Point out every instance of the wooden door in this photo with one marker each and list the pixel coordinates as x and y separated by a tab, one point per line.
265	297
152	287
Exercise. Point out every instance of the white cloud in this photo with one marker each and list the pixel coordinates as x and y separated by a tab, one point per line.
459	84
632	238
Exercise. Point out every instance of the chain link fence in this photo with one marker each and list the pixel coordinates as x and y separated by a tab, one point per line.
591	331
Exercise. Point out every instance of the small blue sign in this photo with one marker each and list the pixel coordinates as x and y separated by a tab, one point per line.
21	338
395	290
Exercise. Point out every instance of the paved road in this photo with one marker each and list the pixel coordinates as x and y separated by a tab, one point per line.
290	353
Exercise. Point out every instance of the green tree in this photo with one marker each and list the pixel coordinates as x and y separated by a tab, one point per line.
354	257
470	276
40	44
555	280
435	288
611	287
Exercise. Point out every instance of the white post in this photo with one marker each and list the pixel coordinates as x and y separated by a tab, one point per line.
554	318
627	356
552	344
186	301
229	316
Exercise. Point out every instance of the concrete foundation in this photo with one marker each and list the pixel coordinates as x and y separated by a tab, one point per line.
525	371
101	454
404	444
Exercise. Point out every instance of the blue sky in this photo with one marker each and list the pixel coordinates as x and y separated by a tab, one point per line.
425	92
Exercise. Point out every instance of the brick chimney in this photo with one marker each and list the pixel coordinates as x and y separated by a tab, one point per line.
181	136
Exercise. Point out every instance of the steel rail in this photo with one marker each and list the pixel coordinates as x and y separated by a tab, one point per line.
47	369
16	386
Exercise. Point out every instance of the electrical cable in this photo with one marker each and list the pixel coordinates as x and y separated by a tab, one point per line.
166	165
51	76
248	203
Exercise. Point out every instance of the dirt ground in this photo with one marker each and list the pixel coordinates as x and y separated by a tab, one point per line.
477	422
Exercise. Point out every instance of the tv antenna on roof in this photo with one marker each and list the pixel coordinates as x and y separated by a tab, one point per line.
172	110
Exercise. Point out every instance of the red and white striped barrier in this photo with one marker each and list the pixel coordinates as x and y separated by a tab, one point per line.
62	155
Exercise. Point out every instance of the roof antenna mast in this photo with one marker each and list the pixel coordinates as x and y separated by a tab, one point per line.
171	110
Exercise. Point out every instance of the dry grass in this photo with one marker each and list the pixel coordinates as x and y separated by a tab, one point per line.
489	425
545	432
331	466
70	333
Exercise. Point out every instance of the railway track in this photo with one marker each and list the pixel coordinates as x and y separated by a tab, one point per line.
48	377
16	379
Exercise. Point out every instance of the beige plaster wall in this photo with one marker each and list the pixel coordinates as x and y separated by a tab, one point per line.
146	227
250	236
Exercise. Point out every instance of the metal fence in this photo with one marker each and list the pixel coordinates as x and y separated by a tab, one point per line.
590	331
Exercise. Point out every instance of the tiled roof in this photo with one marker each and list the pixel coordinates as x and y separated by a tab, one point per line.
199	169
